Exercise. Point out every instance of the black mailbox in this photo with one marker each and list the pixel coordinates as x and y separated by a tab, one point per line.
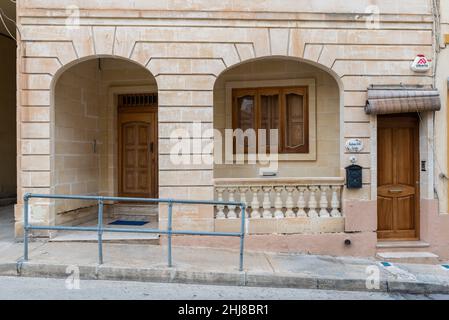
354	177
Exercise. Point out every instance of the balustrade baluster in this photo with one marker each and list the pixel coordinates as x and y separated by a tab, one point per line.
267	214
231	209
335	203
301	202
255	205
323	202
220	208
243	191
313	202
278	205
289	203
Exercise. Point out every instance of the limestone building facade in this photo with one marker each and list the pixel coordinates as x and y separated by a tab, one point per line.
106	90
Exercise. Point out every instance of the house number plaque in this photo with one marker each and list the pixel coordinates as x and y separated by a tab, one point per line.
354	145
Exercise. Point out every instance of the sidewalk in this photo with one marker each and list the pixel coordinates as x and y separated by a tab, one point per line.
219	266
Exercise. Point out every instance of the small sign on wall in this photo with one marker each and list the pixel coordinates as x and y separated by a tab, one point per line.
354	145
421	63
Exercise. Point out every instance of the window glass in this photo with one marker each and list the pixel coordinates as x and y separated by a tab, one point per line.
284	109
294	121
269	113
246	111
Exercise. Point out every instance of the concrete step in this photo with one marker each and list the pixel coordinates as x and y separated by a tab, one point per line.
408	257
134	210
134	217
398	246
111	237
120	238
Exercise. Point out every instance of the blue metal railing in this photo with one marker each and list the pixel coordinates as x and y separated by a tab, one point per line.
100	229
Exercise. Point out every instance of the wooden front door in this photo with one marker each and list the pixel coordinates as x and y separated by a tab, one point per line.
138	154
398	177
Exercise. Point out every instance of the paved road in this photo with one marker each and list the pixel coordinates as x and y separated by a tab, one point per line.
55	289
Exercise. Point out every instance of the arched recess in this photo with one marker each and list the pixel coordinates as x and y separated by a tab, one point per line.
103	114
325	157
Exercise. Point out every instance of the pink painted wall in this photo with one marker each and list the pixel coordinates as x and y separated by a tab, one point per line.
360	227
362	244
435	228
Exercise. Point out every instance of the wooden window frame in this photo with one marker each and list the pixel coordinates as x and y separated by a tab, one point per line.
301	91
257	120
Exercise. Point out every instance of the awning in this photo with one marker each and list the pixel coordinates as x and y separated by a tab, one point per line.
385	100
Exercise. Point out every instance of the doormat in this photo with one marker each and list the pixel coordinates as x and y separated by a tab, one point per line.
128	223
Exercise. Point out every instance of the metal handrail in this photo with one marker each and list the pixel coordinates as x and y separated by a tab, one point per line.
100	229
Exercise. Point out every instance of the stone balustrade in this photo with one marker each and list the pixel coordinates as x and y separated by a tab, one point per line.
280	198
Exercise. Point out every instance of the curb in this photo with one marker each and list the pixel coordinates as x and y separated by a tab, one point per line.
8	269
249	279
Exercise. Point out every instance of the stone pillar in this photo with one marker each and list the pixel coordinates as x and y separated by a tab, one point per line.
34	160
186	111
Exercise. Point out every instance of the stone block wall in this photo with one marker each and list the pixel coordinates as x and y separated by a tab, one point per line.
76	131
187	45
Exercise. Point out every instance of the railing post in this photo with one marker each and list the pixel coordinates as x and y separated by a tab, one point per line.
100	231
242	236
170	229
25	226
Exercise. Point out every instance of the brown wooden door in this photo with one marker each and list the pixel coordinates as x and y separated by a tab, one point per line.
398	177
137	154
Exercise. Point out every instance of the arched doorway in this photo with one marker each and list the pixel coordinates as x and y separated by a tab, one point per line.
105	131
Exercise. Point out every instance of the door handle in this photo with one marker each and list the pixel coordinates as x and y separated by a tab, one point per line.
151	147
395	191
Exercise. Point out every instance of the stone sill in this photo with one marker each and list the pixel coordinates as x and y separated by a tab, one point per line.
279	181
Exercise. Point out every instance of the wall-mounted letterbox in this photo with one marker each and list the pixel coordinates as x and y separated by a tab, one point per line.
354	177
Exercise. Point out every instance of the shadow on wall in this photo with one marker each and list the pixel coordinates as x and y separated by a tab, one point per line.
8	178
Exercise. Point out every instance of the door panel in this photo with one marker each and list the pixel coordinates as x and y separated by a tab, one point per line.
137	155
385	221
404	150
398	177
384	154
136	151
405	213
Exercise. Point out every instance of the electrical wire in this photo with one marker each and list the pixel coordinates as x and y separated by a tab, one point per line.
2	14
